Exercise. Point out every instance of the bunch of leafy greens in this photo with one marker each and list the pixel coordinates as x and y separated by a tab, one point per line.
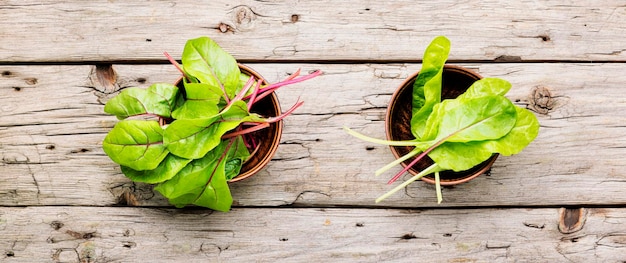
200	138
459	133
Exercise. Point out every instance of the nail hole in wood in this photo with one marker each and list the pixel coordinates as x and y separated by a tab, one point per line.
56	225
295	18
82	150
31	81
408	236
6	73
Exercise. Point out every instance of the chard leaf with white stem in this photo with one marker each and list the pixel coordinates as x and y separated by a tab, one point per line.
475	119
427	86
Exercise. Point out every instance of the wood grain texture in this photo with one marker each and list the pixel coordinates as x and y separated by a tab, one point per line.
106	30
52	125
91	234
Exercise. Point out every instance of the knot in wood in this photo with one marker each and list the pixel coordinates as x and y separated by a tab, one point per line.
243	18
571	220
541	100
104	79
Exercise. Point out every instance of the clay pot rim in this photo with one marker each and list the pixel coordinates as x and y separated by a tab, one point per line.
275	141
388	130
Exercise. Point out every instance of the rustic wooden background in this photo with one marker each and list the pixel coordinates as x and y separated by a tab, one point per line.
561	200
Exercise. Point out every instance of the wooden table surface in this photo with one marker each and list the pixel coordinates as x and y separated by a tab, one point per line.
563	199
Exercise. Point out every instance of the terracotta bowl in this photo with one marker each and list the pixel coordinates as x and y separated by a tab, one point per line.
268	138
456	80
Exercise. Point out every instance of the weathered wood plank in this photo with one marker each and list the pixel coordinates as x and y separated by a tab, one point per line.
92	234
52	125
312	30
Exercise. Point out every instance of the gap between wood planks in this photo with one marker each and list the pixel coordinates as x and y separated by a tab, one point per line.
501	59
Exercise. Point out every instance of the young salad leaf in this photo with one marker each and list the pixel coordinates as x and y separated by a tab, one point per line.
486	87
169	167
237	155
136	144
158	99
427	86
207	62
202	101
202	182
525	131
475	119
193	138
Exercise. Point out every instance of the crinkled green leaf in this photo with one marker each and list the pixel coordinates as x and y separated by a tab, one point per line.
461	128
169	167
201	182
486	87
427	86
525	131
193	138
136	144
460	156
158	99
476	119
206	61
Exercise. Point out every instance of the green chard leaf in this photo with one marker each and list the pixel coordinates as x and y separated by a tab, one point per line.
237	155
206	61
486	87
158	99
169	167
427	87
193	138
136	144
461	128
460	156
201	182
475	119
202	102
463	156
525	131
